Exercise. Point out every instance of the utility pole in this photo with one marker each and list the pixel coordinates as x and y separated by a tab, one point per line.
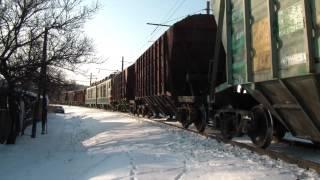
41	86
208	7
122	77
90	78
44	83
122	63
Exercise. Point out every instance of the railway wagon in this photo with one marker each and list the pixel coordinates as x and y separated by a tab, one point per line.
172	75
68	97
122	90
104	93
273	54
76	97
79	97
91	96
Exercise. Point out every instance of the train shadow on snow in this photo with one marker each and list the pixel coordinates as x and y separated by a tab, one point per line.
115	139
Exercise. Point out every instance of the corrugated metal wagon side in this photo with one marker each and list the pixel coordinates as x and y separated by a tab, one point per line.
79	97
172	73
273	52
122	91
70	97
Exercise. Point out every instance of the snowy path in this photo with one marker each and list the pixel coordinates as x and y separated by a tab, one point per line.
93	144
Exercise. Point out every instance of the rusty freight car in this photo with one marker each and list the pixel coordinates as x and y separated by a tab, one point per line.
79	97
122	90
272	60
68	97
76	97
172	75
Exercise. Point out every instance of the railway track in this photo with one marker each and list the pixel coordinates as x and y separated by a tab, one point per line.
302	163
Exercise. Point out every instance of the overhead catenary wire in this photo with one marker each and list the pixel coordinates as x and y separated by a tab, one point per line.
151	36
82	73
181	17
166	19
172	11
168	15
180	5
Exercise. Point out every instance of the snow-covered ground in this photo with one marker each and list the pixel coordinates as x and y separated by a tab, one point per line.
86	144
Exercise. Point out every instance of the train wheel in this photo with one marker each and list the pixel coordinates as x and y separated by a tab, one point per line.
157	115
182	117
226	126
260	129
200	122
150	115
316	143
279	131
144	111
138	111
279	135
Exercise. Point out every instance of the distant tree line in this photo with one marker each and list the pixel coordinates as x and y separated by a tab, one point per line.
31	30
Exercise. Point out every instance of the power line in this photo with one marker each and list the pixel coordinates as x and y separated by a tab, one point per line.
151	36
180	5
181	17
170	15
166	17
172	8
82	73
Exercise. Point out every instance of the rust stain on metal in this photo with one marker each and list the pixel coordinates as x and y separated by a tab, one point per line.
261	45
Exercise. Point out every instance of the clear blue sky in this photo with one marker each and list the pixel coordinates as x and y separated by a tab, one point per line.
119	29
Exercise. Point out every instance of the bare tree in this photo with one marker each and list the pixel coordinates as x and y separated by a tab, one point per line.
23	23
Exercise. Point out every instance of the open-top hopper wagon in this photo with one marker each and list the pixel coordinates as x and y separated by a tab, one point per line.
172	75
272	68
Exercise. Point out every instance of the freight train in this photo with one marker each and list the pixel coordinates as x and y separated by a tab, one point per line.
251	68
